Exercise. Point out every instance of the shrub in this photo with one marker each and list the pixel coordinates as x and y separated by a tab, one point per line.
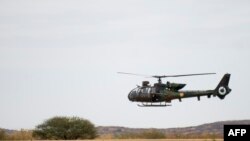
65	128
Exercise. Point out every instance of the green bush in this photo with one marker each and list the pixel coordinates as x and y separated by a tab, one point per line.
66	128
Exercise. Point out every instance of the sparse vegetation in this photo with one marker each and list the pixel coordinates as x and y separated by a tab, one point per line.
2	134
151	134
158	134
65	128
16	135
20	135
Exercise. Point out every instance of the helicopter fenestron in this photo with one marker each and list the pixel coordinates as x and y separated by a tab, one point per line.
160	93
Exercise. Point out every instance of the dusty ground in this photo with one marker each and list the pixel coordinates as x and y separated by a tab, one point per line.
149	140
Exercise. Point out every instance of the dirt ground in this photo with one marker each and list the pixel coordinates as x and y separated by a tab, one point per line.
149	140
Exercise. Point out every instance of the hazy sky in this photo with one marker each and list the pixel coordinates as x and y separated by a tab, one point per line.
60	58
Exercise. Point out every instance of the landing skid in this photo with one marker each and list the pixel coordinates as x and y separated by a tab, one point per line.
152	105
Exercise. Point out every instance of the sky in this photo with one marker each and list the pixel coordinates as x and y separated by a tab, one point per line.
61	58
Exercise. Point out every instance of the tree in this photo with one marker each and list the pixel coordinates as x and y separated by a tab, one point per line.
65	128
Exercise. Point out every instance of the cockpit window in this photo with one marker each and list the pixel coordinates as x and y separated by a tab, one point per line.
142	90
136	90
148	90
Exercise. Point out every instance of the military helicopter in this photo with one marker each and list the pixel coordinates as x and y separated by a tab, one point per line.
160	94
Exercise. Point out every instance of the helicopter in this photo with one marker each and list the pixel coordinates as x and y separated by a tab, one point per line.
161	94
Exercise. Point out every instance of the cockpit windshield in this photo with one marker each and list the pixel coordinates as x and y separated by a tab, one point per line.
141	90
135	90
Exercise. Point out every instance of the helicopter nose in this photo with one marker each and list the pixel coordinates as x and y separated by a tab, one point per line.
131	95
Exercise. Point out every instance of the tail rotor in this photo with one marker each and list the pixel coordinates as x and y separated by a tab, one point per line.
222	89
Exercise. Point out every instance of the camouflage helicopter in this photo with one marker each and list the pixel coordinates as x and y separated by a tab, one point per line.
160	94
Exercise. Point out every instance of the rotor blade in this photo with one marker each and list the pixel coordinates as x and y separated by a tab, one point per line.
135	74
163	76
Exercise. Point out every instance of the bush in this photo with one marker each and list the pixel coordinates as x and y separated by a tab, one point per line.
65	128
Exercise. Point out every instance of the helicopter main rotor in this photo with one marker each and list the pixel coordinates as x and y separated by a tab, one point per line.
165	76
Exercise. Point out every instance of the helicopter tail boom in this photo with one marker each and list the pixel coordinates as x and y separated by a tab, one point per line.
222	89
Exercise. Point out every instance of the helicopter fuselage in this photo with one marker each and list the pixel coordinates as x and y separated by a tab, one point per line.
148	94
167	92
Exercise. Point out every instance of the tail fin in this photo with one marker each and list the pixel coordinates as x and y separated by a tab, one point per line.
222	89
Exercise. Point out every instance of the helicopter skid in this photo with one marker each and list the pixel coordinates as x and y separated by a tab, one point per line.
152	105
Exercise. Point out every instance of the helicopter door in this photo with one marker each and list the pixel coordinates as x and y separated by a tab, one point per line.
154	96
153	90
148	90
